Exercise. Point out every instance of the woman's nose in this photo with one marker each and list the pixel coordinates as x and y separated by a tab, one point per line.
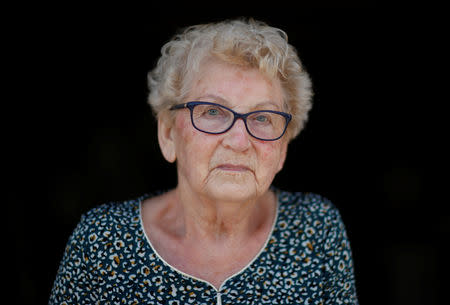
237	138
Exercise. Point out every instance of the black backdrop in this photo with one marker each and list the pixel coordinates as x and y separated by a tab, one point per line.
79	133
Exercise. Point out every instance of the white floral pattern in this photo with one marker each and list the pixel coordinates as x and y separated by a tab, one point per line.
306	261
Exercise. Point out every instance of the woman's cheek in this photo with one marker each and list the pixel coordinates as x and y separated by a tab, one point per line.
268	151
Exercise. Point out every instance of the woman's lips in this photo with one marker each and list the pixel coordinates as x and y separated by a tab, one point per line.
233	167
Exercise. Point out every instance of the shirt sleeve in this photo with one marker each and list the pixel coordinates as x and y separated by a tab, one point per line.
72	284
338	269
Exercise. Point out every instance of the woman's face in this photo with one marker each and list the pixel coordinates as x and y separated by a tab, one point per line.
231	166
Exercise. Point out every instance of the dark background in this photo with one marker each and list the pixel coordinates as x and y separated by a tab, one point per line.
79	133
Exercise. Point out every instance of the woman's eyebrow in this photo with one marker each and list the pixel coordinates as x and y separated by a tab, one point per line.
220	100
267	104
216	98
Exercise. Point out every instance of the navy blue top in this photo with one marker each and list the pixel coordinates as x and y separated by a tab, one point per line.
306	260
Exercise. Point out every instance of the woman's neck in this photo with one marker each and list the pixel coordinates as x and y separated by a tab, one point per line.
208	240
209	220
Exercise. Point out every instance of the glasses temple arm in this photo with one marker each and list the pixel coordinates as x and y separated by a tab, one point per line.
179	106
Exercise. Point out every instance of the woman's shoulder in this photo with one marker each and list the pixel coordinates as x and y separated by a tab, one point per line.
307	206
115	211
112	215
104	223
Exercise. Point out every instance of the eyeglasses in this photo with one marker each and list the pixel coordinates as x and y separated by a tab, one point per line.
212	118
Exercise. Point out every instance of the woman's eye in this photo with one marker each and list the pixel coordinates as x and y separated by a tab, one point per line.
262	119
212	112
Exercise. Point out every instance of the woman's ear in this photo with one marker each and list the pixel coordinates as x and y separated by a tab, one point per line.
165	137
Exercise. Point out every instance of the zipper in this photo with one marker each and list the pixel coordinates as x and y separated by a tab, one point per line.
219	298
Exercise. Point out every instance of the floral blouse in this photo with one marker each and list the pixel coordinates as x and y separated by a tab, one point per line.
305	260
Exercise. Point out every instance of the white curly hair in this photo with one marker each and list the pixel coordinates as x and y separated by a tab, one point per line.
248	43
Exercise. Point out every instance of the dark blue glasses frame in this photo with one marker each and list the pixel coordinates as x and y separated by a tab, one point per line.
243	116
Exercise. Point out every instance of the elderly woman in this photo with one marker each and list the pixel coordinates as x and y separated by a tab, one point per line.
228	97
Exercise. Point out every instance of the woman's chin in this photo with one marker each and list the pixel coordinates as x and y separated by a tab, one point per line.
233	191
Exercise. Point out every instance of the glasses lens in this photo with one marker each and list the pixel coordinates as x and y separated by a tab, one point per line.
266	125
212	118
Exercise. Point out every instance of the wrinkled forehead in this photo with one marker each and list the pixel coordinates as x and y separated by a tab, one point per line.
232	85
